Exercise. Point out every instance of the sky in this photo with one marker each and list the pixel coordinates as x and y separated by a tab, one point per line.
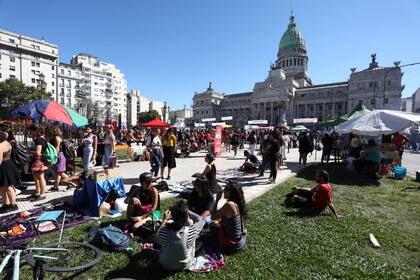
169	49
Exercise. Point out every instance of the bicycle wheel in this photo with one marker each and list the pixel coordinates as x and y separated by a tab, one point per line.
78	256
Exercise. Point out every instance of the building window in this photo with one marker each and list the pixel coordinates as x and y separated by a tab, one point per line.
360	102
12	59
389	82
294	61
0	75
385	100
33	63
62	71
62	91
52	76
38	64
12	41
372	102
52	83
282	63
52	67
12	68
287	63
12	76
370	84
69	72
33	81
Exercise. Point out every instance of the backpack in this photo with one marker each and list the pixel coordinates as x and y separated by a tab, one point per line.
110	238
20	156
50	154
68	149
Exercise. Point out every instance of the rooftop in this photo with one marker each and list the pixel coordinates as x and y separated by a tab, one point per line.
324	85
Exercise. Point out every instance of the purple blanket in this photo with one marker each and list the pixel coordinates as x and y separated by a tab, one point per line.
7	222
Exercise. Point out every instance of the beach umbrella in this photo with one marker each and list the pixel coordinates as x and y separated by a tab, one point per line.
155	123
51	110
379	122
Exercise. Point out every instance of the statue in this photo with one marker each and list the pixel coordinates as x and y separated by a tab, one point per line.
373	57
353	69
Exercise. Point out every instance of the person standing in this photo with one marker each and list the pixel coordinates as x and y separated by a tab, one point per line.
252	140
305	147
38	167
9	176
100	145
234	142
154	144
109	143
271	150
90	144
169	145
53	134
327	144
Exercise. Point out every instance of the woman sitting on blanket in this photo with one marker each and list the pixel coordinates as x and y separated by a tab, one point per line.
228	233
201	200
210	173
142	201
176	238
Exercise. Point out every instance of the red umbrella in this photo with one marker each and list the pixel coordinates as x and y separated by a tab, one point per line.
155	123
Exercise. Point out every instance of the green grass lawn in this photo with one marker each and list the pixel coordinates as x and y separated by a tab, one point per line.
283	245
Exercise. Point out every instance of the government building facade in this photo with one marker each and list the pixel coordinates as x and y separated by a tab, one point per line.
288	94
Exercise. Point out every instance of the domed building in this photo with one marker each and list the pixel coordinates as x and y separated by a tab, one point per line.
287	95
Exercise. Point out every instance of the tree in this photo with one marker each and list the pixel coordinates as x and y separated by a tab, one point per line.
14	93
148	116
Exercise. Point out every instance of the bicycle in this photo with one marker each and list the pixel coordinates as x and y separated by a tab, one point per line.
56	257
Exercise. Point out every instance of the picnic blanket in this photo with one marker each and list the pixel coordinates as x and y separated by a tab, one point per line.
207	260
22	222
232	173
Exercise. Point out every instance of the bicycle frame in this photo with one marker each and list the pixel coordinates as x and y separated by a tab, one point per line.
17	254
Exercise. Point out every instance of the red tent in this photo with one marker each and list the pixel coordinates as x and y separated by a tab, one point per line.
155	123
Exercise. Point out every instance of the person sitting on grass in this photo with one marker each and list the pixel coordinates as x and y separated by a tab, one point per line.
142	201
201	200
369	159
251	163
316	199
176	239
227	233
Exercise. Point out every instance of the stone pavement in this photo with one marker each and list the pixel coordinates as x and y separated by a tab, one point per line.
253	187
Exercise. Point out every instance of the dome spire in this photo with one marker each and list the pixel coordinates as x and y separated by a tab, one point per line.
292	19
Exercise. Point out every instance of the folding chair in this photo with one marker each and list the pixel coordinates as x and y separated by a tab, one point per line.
50	216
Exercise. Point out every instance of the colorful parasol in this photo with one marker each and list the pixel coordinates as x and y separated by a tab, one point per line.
50	110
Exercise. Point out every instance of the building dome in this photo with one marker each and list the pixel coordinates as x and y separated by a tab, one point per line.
292	39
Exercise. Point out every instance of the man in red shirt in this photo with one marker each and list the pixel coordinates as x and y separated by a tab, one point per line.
317	198
399	141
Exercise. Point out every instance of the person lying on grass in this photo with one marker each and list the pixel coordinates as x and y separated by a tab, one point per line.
251	163
176	239
227	233
201	200
317	198
142	201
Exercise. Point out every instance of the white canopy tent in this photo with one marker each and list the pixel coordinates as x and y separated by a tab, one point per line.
300	128
379	122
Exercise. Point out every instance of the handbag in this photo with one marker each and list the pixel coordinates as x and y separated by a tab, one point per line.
20	156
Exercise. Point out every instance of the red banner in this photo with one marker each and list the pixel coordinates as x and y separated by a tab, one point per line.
218	141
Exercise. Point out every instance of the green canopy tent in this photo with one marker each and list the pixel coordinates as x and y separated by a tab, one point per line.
358	111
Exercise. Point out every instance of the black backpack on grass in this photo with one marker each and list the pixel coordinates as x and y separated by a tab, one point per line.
110	238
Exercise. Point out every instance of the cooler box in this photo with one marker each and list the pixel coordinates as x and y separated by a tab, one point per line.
399	172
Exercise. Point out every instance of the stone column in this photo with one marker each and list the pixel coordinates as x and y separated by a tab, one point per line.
283	113
272	113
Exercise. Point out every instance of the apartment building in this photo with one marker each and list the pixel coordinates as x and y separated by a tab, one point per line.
34	62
